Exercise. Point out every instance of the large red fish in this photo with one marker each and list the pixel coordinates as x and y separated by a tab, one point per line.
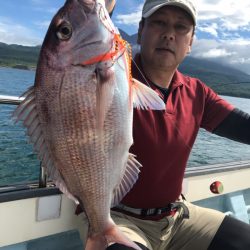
79	114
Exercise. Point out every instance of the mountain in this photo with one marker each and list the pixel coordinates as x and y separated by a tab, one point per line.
223	79
131	39
17	55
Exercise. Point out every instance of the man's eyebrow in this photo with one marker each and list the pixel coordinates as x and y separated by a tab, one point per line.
181	16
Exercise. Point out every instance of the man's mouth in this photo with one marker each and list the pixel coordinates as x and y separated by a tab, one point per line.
165	50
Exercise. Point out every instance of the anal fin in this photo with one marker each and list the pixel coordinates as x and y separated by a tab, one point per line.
129	179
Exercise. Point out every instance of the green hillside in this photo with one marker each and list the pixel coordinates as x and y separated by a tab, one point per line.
18	55
223	79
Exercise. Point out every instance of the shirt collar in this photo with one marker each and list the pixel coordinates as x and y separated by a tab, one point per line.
139	74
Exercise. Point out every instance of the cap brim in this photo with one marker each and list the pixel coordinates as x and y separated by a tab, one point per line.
180	5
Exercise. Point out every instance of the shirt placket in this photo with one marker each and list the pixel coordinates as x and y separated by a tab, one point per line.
172	98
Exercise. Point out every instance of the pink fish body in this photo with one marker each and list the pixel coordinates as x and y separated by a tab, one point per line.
79	114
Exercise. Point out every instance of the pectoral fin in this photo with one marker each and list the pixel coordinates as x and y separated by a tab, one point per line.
145	97
104	96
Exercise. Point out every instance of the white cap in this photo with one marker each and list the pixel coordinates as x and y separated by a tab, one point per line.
150	6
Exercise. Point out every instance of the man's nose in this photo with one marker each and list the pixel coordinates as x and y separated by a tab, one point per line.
168	34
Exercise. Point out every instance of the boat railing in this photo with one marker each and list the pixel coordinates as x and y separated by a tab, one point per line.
10	100
216	168
14	100
190	171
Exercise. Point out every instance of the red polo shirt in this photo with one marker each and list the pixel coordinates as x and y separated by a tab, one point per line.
163	139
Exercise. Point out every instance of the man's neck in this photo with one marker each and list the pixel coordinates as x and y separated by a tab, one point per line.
162	78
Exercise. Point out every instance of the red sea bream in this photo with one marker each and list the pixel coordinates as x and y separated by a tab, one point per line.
79	112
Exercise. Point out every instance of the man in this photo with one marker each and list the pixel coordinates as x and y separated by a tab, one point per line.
153	213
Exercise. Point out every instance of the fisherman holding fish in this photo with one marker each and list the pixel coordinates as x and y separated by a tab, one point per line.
154	214
79	116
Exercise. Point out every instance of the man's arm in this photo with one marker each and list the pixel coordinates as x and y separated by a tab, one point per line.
236	126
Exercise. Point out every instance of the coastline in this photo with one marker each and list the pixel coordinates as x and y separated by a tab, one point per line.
233	91
19	66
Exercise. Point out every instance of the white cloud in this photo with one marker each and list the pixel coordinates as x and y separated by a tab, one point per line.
227	22
52	10
37	2
232	15
12	33
130	19
211	29
43	24
214	17
235	52
45	10
239	42
43	6
215	53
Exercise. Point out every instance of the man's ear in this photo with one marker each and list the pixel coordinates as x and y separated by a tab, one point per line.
191	41
190	45
141	23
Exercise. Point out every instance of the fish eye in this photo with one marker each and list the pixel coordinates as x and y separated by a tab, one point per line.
64	31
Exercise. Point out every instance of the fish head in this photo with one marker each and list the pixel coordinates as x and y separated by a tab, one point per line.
80	30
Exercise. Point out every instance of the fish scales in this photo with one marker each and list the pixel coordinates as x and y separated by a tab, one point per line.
80	141
74	140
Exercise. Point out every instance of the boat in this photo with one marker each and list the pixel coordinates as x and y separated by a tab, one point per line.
37	216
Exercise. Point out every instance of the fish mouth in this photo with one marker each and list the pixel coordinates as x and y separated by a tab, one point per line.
89	46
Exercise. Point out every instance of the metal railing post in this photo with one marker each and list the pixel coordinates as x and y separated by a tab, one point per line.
42	177
10	100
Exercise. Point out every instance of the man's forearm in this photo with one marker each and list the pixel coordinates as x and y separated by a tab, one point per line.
236	126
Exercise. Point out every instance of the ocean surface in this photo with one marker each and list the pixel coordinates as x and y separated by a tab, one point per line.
19	164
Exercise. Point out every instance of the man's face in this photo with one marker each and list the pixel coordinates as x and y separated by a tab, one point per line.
166	38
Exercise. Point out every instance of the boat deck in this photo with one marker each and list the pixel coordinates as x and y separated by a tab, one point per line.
69	240
33	218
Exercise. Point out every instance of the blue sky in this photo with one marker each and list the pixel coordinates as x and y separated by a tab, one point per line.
222	34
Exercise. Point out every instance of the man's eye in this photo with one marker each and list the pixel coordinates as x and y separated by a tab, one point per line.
181	27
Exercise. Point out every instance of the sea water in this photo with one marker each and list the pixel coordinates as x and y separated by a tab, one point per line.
19	164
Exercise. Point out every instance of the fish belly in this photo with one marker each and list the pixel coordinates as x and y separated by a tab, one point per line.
91	165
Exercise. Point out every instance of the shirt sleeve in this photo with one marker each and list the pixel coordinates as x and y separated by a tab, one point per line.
236	126
216	109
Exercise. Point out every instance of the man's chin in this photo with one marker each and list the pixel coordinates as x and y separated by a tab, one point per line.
165	65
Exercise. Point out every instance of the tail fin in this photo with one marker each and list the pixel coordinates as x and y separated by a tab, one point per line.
112	235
